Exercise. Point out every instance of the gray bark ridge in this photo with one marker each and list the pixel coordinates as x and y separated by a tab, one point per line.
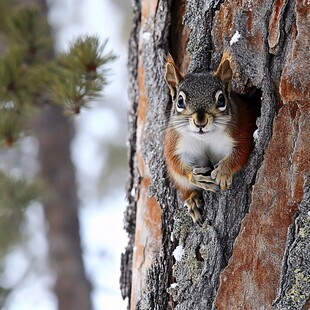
155	35
207	249
191	281
132	183
294	289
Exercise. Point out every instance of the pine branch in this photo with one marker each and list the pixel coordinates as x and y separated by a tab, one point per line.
13	81
81	73
4	9
15	196
71	80
10	125
25	28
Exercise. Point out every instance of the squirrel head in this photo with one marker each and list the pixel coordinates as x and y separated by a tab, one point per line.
201	101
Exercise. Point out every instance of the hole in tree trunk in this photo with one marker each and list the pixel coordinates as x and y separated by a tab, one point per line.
253	97
198	254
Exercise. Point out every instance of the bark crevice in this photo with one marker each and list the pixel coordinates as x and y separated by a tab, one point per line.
294	288
132	183
237	222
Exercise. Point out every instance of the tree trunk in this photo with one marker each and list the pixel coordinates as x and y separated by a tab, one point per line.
253	250
60	203
54	133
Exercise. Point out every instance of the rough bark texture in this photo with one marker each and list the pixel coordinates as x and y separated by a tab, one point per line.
253	250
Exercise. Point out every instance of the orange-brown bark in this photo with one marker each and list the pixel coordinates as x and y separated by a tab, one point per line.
147	239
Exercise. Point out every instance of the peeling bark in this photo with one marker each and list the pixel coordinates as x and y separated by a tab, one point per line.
245	256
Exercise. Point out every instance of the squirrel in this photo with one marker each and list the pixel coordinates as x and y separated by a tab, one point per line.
209	136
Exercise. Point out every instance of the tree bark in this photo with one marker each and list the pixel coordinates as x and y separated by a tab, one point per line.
252	252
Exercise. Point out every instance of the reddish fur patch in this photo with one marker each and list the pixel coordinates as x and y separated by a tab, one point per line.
242	130
173	162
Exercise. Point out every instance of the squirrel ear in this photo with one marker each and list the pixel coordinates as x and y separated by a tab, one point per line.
173	76
224	71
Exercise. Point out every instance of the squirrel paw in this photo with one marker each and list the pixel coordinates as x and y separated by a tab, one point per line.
193	204
202	170
201	178
222	175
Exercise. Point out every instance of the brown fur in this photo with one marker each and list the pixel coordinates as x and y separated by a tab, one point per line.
240	129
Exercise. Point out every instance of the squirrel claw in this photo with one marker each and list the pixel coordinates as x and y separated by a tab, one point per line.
193	204
222	176
201	170
200	178
205	182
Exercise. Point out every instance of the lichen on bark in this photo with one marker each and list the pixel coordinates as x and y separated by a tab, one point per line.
294	290
244	236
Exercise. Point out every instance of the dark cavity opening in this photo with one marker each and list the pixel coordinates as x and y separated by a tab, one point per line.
253	97
198	254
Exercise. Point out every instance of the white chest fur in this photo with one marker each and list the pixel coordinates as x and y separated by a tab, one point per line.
199	150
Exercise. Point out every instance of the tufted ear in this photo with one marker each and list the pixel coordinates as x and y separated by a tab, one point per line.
173	76
224	70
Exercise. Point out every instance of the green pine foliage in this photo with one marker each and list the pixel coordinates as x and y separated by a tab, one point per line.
80	74
14	199
27	30
15	87
10	126
27	72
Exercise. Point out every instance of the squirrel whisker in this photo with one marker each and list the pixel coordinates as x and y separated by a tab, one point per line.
206	101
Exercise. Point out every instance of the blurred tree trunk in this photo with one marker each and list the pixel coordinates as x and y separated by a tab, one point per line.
54	133
253	251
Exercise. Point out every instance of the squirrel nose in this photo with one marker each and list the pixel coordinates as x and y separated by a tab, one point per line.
200	124
200	119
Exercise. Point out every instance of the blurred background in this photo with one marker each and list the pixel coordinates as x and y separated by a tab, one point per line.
99	155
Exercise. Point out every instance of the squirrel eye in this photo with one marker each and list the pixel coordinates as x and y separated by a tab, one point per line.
220	100
181	102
